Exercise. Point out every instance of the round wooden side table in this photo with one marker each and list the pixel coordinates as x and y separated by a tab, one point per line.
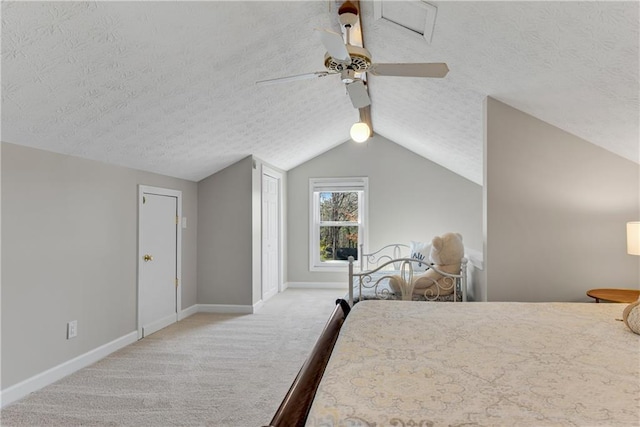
614	295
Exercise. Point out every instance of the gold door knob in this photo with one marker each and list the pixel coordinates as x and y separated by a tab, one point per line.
147	258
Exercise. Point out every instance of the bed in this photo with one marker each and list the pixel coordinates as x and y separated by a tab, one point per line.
406	363
369	277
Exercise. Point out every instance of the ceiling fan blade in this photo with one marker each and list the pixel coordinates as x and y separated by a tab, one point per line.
306	76
358	93
335	46
436	69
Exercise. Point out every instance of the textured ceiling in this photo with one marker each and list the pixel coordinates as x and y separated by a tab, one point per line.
169	87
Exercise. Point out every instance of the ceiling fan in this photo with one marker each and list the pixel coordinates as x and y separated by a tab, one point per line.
352	62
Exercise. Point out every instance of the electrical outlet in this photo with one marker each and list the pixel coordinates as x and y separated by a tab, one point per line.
72	329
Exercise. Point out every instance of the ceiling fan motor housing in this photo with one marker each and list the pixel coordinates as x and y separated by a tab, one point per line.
360	60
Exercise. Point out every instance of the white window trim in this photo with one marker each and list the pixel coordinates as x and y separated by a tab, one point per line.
316	185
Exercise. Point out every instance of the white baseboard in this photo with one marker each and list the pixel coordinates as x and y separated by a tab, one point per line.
190	311
229	308
317	285
22	389
270	294
257	306
159	324
225	308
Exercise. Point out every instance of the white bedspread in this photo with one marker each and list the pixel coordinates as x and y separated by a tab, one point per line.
403	363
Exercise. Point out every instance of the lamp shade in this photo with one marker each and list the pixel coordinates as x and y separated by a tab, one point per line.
360	132
633	238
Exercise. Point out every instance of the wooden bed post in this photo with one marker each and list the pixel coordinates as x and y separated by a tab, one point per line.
295	406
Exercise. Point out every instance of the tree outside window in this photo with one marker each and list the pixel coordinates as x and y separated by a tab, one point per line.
338	225
337	221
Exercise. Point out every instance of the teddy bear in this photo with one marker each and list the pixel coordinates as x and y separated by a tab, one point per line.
446	256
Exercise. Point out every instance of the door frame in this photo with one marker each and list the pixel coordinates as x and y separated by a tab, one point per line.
266	170
146	189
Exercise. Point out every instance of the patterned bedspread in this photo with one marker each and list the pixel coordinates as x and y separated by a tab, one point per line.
403	363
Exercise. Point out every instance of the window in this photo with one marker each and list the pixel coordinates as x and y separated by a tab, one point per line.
338	221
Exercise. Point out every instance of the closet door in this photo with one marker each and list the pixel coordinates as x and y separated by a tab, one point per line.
270	234
158	263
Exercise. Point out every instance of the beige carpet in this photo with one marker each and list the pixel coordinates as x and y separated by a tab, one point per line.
206	370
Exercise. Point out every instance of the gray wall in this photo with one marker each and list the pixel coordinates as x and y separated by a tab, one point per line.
410	198
69	252
556	211
230	234
225	241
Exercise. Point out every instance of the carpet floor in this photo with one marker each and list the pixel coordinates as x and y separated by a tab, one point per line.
206	370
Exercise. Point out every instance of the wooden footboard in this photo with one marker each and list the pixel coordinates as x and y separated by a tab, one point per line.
295	406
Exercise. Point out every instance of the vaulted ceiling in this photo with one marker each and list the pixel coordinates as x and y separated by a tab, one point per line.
169	87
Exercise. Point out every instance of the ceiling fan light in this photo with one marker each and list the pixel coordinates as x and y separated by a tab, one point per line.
360	132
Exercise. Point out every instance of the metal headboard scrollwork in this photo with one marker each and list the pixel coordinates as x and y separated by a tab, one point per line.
455	284
385	253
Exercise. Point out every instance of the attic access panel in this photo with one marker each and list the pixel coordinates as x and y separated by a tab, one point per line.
417	16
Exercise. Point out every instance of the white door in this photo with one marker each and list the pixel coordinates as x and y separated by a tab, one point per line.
158	263
270	235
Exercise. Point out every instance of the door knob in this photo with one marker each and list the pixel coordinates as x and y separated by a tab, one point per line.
147	258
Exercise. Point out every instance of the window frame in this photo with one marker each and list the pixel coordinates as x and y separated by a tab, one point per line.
348	184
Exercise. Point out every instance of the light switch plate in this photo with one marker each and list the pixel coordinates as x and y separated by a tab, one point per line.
72	329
